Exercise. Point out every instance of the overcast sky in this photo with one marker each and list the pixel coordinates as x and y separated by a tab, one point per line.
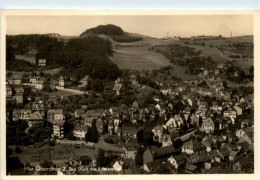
155	26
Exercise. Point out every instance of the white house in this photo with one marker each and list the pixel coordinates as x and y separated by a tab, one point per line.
61	81
80	131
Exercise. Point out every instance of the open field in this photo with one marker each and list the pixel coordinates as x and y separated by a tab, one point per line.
179	71
138	58
28	58
216	55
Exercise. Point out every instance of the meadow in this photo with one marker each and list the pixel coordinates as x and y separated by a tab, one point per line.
138	58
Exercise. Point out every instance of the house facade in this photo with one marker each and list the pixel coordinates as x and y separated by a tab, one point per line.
58	129
42	62
55	115
80	131
15	79
191	147
208	126
35	119
61	81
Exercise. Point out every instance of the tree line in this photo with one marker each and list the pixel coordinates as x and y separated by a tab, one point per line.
78	56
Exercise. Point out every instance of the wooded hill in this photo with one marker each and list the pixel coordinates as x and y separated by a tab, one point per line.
114	32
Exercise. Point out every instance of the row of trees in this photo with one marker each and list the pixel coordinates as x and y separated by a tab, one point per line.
16	134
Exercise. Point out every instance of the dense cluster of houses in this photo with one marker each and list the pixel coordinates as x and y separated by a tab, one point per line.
201	149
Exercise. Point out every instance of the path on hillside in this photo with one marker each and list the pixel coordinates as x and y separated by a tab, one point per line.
210	86
222	55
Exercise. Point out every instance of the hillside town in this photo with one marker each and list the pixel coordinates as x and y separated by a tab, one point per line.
186	127
109	102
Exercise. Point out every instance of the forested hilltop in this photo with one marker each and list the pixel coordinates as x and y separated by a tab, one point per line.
79	56
115	32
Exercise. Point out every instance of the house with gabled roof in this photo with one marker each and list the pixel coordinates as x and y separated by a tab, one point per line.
178	119
61	81
35	119
118	165
208	126
130	150
198	158
177	160
118	88
166	91
233	155
158	133
167	140
55	115
119	80
88	121
127	133
84	81
15	79
238	109
39	107
21	114
39	84
208	144
172	124
192	146
153	153
80	131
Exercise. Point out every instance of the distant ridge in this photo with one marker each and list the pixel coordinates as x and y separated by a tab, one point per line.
110	30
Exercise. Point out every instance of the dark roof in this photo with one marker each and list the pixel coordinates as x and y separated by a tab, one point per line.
58	123
84	158
94	113
224	152
81	127
131	146
244	145
155	166
214	153
179	157
162	151
190	167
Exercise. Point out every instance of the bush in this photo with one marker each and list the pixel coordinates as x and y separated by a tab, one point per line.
18	150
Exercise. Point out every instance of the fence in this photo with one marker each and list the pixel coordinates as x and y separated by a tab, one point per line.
70	142
70	90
